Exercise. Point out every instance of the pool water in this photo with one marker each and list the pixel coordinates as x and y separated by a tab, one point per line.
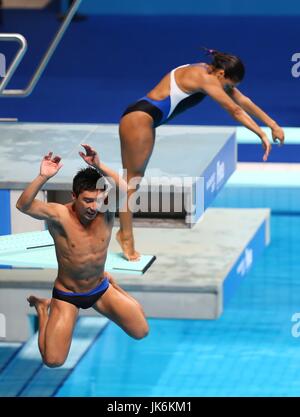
249	351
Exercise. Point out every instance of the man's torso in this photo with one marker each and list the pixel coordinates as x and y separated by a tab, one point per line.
81	250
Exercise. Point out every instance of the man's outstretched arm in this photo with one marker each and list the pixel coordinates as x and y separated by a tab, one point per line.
28	204
118	190
92	158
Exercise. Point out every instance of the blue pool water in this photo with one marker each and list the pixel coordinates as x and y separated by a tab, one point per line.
249	351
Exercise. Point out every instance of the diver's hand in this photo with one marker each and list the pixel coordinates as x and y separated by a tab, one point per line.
266	145
278	134
50	165
91	156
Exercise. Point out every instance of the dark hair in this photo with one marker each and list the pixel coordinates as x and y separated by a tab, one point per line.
232	65
85	180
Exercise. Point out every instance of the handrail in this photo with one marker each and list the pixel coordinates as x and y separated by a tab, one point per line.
18	58
44	61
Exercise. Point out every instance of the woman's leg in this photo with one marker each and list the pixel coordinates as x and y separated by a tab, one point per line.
137	137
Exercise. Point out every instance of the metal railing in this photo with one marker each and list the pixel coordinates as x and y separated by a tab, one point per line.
18	58
44	61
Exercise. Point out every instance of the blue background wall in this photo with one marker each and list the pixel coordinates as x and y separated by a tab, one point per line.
124	47
193	7
108	61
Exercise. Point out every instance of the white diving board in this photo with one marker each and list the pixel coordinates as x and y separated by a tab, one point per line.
192	163
36	250
199	270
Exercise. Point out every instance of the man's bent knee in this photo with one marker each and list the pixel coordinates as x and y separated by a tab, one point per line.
140	333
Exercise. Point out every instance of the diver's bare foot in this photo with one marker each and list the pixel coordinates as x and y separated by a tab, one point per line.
127	245
39	303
